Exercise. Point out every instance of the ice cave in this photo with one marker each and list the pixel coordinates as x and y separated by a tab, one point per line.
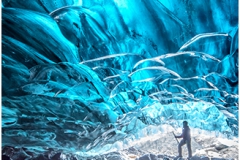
109	79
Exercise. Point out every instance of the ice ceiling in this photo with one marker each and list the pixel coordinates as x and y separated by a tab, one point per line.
85	77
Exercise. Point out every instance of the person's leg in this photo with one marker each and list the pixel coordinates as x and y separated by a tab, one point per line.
189	148
182	142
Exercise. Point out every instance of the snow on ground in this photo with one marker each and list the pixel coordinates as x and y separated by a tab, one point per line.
205	145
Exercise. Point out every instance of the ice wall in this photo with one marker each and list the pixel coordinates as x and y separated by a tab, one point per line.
85	75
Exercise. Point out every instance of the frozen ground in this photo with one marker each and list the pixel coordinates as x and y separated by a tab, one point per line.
204	146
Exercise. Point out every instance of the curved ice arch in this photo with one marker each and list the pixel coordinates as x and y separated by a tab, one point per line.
17	23
43	6
120	87
189	64
156	61
215	44
122	31
190	84
106	73
154	72
95	32
111	76
122	61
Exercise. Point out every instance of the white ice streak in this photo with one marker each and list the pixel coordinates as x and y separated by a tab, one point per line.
144	80
157	68
110	77
197	37
184	90
156	59
203	55
106	57
115	89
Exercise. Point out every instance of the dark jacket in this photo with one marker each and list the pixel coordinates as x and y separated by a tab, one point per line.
185	134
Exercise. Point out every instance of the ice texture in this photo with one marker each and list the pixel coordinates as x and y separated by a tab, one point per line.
90	77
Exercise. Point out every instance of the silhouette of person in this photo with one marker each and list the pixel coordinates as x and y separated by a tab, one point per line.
186	140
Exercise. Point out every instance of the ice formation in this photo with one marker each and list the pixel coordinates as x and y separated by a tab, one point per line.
91	76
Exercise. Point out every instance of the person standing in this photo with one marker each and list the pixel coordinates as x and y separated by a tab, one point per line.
186	139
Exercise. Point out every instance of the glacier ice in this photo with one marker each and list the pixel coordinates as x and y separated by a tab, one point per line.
92	76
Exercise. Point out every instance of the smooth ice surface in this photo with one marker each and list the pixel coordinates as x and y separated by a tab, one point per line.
94	76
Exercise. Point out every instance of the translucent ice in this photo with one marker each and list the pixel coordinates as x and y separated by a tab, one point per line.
93	76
